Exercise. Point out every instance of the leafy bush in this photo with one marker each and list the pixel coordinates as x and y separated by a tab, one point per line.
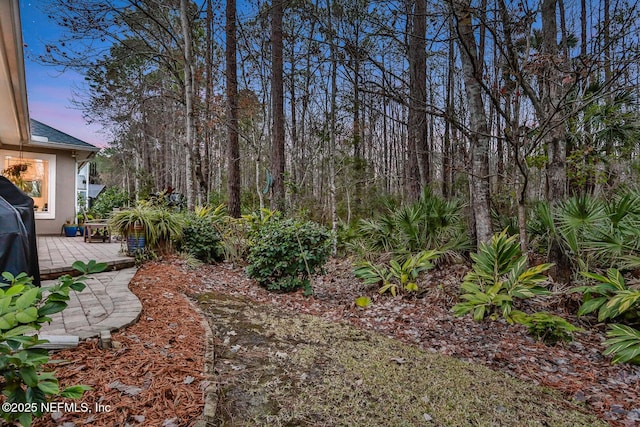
111	197
623	343
284	253
546	327
234	244
201	238
499	275
396	277
610	297
23	309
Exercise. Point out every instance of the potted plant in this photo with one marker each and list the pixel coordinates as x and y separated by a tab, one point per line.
146	226
70	230
15	174
132	224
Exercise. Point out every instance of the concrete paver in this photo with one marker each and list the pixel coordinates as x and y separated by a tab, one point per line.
56	254
106	303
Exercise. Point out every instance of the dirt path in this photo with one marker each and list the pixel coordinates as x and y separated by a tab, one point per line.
278	368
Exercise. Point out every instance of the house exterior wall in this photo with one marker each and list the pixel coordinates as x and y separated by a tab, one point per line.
64	188
65	196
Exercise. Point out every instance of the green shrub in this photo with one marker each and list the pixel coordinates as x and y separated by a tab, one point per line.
610	297
546	327
396	277
201	238
623	343
499	274
111	197
23	309
590	232
235	241
430	223
284	253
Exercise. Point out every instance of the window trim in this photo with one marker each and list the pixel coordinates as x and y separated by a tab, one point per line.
51	158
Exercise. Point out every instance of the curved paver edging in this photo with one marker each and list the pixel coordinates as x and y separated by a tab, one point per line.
211	390
105	304
126	306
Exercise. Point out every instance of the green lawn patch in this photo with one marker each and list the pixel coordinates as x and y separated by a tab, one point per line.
277	368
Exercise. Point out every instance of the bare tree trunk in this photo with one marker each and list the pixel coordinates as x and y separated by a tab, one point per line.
472	73
277	107
417	120
332	132
447	161
583	28
208	100
233	147
556	137
188	99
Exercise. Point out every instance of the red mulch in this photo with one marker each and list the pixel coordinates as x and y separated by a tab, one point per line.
154	374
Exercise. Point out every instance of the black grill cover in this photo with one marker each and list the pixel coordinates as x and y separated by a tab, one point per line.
18	244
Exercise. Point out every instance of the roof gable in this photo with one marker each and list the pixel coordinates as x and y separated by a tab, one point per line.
42	133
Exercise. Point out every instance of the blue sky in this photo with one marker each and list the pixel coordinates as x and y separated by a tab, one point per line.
50	91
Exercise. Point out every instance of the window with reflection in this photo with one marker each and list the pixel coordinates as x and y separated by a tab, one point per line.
34	174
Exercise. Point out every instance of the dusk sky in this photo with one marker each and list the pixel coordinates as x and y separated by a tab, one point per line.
50	92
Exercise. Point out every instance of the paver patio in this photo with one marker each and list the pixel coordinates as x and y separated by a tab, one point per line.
106	303
56	254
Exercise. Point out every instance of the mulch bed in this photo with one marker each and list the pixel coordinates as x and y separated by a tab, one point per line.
163	354
154	374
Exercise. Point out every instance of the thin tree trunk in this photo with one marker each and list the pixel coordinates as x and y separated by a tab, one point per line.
417	120
332	132
188	99
556	137
208	99
233	148
472	73
449	112
277	107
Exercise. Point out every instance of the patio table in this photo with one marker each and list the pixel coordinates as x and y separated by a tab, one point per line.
96	231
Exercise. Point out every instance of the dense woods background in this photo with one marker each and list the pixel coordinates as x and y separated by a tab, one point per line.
331	107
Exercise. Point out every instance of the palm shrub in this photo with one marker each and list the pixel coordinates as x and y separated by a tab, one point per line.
397	277
617	240
24	308
430	223
591	232
499	274
284	253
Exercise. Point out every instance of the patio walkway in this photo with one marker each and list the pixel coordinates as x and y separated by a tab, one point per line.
56	254
106	303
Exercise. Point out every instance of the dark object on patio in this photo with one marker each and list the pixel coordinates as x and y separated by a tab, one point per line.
96	231
18	244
